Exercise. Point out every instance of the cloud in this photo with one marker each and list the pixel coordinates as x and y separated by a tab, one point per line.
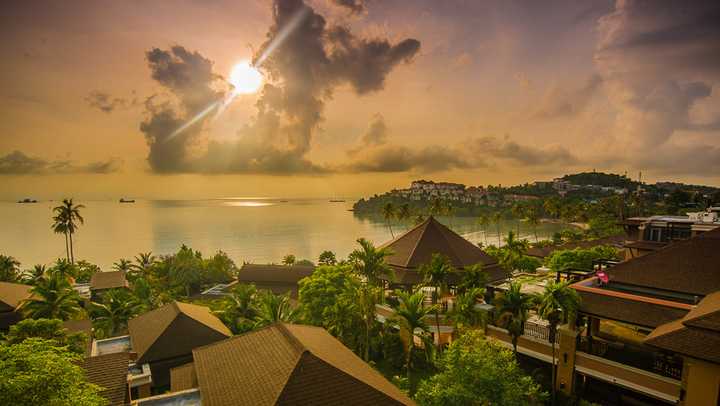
304	70
354	6
524	155
561	103
17	163
105	102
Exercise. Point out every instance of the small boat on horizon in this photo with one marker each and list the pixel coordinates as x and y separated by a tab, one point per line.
27	200
123	200
337	201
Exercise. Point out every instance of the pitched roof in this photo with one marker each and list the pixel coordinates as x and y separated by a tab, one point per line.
108	280
12	294
183	377
689	266
641	313
417	246
174	330
110	372
696	335
261	273
289	364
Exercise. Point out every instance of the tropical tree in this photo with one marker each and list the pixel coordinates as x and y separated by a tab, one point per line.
512	310
66	221
47	329
552	207
484	220
124	265
238	309
389	212
518	211
473	276
464	313
219	269
143	292
559	303
497	218
366	298
533	218
9	269
289	260
186	269
327	258
64	269
410	314
144	261
404	213
369	262
273	308
513	251
84	271
52	298
436	274
474	371
31	276
38	372
112	315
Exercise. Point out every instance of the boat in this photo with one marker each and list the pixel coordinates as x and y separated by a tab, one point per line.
337	201
123	200
27	200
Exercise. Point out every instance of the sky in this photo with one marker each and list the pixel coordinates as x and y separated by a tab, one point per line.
359	96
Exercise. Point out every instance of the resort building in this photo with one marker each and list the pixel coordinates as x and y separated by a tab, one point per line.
109	371
101	282
11	296
278	279
282	364
646	327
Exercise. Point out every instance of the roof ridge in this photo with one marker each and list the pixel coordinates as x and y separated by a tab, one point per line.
425	224
290	337
444	233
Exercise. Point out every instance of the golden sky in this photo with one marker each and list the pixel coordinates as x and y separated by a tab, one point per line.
359	99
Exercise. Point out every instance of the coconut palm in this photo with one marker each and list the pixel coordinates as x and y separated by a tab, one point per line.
559	303
369	262
404	213
31	276
66	221
497	218
112	315
473	276
436	274
64	269
484	220
410	314
143	262
52	298
273	308
518	211
512	309
366	298
238	309
9	269
123	265
143	292
513	251
389	212
464	313
533	218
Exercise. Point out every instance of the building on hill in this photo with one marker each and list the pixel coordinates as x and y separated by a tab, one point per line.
11	297
416	247
101	282
283	364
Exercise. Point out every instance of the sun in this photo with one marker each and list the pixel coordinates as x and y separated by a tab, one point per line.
245	78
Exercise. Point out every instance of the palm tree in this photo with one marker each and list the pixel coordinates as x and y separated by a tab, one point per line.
497	219
464	314
484	221
518	211
123	265
473	276
558	303
143	292
31	276
533	218
112	315
9	269
449	211
513	251
64	269
552	207
404	213
143	262
512	309
436	274
273	308
366	299
369	262
238	309
410	317
66	221
289	260
52	298
388	212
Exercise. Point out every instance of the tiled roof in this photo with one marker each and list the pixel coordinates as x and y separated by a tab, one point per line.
289	365
183	377
689	266
174	330
108	280
110	372
81	326
406	276
696	335
542	252
627	310
11	294
258	273
416	247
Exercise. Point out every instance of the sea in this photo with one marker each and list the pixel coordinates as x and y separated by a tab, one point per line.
248	229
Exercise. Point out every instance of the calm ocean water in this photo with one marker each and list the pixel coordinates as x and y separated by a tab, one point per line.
251	230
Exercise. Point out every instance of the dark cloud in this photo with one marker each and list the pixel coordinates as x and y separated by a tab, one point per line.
104	102
355	6
305	68
520	154
560	103
17	163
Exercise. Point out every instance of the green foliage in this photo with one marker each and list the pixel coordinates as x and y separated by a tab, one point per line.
369	262
321	290
558	303
112	315
410	316
37	372
85	271
9	269
52	298
477	372
47	329
604	226
464	314
64	269
473	277
512	311
186	268
528	264
66	221
580	258
238	310
219	269
288	260
273	308
327	258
